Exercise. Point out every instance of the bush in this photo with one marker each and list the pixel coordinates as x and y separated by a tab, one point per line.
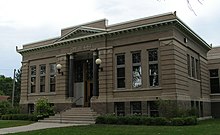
143	120
19	117
190	121
43	108
177	121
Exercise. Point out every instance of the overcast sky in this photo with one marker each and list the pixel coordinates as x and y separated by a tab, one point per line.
26	21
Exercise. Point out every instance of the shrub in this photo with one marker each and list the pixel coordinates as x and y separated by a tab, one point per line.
19	117
177	121
43	108
4	107
143	120
190	121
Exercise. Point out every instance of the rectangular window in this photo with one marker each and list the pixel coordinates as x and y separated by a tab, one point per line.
188	65
136	108
136	71
52	77
120	71
120	108
197	69
42	77
33	79
30	108
153	67
214	81
153	109
193	67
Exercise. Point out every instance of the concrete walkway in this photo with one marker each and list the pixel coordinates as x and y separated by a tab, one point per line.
34	126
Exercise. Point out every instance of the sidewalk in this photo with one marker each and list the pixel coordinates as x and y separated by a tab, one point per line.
34	126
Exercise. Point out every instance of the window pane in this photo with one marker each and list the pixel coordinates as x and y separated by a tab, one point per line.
33	70
33	83
42	69
152	55
197	69
52	68
121	82
52	83
193	67
42	84
153	74
188	65
137	76
213	73
120	72
136	57
120	59
214	82
136	108
120	108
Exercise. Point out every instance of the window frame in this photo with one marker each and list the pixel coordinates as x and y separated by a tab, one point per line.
33	77
120	66
214	78
42	75
52	75
153	62
134	65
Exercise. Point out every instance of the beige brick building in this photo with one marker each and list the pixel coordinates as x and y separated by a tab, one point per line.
142	61
214	67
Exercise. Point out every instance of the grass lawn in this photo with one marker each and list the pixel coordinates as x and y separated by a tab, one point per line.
13	123
208	127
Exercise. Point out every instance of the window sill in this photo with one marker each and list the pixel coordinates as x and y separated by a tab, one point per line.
42	94
215	94
136	89
194	79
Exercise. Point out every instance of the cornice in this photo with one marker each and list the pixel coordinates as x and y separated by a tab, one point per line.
111	33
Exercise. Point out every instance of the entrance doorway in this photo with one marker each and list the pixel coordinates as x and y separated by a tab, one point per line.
83	82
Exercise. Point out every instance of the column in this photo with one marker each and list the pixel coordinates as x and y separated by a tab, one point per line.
95	74
71	75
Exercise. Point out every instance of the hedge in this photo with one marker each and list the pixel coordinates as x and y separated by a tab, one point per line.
144	120
19	117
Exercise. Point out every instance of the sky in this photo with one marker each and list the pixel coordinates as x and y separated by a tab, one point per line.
27	21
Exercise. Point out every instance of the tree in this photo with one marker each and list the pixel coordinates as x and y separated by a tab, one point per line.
6	85
189	5
17	86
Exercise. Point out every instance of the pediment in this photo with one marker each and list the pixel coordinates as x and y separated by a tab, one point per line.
81	32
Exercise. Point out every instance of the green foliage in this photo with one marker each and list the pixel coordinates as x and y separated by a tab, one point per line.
6	108
43	108
144	120
170	109
19	117
4	105
6	86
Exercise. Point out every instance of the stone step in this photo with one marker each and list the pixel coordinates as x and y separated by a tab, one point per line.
68	122
71	118
74	116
